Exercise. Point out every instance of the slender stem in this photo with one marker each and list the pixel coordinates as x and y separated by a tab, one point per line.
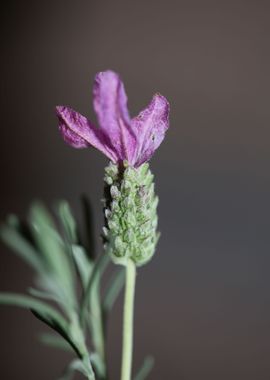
127	348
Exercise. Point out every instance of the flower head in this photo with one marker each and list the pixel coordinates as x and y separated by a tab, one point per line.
119	137
131	219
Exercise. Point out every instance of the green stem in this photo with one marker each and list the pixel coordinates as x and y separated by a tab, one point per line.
127	348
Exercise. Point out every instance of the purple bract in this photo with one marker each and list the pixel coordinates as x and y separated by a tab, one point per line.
119	137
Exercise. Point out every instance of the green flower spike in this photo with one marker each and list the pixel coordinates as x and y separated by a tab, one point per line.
131	219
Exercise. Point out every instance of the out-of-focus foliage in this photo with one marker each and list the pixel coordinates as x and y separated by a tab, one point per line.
67	276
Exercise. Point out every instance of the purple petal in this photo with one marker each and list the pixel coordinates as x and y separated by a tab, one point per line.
110	104
79	132
150	126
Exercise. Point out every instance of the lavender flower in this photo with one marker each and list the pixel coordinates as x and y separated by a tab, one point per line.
130	230
119	137
130	233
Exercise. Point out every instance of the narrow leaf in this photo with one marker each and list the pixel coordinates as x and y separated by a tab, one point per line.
77	365
68	222
98	269
98	365
31	303
92	296
51	245
55	341
83	264
52	289
58	327
12	238
46	296
42	311
113	290
145	369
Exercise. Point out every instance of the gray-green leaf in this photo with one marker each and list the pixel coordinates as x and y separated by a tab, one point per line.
77	365
65	215
12	238
51	245
83	264
55	341
113	290
146	368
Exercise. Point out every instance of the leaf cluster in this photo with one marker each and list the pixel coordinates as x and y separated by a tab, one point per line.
67	279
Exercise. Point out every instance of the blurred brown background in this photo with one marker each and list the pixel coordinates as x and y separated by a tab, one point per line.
203	304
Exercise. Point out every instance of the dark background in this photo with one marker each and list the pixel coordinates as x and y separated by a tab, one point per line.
203	304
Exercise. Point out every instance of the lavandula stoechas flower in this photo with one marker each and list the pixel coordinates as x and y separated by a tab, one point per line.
130	207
